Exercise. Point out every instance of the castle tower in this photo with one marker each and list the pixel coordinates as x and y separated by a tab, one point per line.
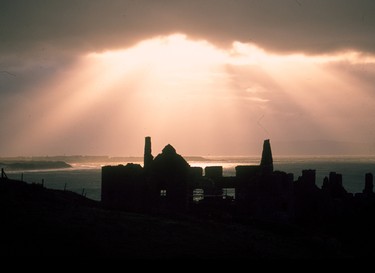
369	184
266	163
147	159
308	178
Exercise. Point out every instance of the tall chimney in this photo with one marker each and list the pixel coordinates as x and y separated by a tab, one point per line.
266	162
369	184
147	159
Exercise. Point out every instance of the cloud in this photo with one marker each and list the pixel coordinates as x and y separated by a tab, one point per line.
40	38
75	26
84	76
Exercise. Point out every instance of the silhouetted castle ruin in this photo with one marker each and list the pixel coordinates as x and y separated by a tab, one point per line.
167	183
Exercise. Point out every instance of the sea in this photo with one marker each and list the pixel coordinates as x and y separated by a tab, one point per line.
85	178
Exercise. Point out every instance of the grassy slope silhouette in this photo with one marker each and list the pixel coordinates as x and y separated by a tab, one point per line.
43	222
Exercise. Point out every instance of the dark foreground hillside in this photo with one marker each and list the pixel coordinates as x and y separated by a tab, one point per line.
36	221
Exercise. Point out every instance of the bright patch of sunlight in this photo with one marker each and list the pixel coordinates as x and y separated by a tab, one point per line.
189	92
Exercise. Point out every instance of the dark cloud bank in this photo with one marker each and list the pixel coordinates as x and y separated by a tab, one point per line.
294	25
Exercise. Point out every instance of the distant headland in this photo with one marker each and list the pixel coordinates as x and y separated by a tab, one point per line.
20	165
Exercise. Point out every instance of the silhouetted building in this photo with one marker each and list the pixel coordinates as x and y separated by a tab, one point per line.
307	197
169	178
124	187
167	183
243	172
369	184
147	159
213	171
333	186
266	162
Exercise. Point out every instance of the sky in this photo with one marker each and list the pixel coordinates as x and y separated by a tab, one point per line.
209	77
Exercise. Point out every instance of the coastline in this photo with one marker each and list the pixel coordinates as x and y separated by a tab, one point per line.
25	165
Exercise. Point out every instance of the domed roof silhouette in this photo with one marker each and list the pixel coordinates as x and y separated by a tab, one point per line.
170	163
169	150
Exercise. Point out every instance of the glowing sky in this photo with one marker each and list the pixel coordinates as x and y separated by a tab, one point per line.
209	77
